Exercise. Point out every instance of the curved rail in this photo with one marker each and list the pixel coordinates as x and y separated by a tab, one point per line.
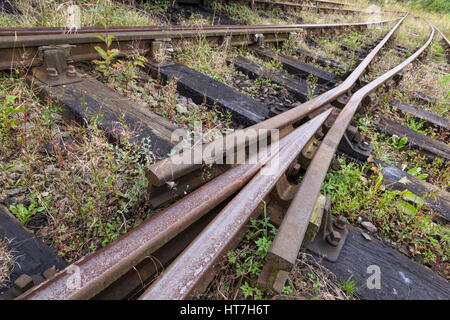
286	245
187	274
196	262
173	167
103	267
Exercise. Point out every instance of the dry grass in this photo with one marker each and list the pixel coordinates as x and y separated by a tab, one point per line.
308	280
421	77
209	60
7	261
53	13
80	192
412	34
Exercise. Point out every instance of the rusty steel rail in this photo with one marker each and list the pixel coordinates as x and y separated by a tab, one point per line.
173	167
283	253
302	6
20	47
188	272
443	36
174	31
102	268
328	3
18	37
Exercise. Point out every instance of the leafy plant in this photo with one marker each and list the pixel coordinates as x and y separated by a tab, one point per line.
416	172
349	285
397	142
23	213
248	263
7	111
311	81
108	56
250	291
415	125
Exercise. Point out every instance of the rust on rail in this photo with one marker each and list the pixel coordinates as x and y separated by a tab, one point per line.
185	275
171	168
100	269
286	245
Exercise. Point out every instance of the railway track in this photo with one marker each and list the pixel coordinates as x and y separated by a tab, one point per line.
193	233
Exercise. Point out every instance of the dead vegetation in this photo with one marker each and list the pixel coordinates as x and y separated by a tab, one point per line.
66	181
7	261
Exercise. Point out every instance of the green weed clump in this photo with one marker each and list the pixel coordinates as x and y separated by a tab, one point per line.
397	218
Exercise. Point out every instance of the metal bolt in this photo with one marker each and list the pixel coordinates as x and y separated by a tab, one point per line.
364	145
333	238
52	73
71	71
340	223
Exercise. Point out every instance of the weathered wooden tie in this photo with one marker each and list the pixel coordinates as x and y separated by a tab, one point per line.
83	100
399	277
434	197
421	114
297	67
416	140
245	110
297	87
34	257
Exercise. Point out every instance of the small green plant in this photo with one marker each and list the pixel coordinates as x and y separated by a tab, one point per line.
364	123
248	263
352	39
287	289
416	172
261	82
398	143
273	64
108	56
250	291
7	111
116	70
25	214
349	285
415	125
311	81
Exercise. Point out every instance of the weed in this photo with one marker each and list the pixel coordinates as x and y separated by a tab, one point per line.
25	214
349	285
7	120
354	195
115	70
311	81
415	125
248	262
397	142
7	261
